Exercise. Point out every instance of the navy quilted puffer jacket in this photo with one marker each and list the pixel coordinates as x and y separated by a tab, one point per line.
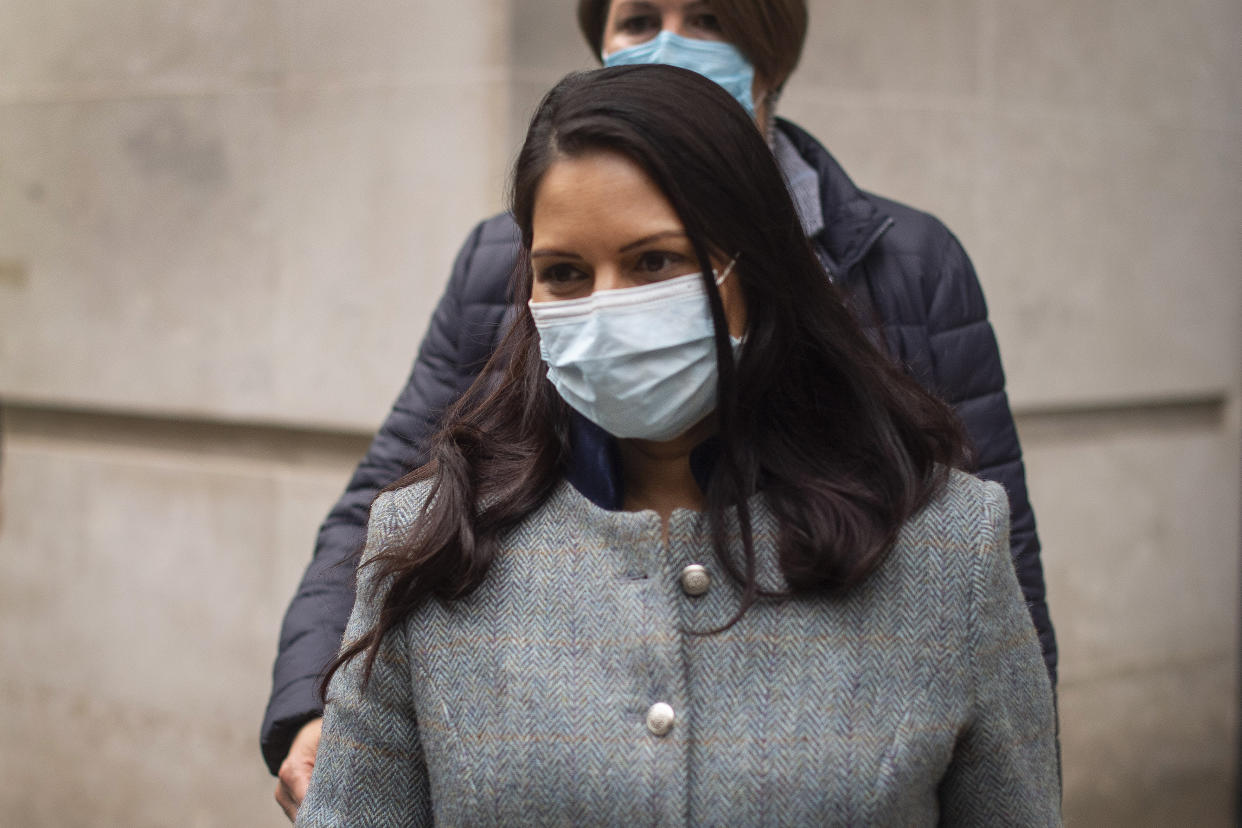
906	275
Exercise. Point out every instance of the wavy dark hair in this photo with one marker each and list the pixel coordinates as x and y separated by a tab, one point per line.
842	445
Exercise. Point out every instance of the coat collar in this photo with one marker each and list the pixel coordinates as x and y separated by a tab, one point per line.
852	222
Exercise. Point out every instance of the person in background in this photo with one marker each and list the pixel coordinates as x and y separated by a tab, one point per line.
903	273
693	551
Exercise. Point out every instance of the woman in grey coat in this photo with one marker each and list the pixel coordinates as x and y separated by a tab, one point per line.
906	276
692	550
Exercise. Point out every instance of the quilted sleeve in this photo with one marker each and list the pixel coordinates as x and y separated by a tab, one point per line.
370	768
1004	766
968	374
463	328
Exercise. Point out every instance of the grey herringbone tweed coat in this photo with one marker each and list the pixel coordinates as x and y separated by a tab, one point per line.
919	698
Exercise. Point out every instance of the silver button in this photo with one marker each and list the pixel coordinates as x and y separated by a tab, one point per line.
695	579
660	719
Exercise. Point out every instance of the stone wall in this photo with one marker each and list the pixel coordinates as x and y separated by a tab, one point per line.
212	214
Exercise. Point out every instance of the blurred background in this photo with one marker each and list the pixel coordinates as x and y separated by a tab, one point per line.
223	225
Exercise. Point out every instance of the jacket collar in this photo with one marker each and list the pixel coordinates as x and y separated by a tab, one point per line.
852	222
802	180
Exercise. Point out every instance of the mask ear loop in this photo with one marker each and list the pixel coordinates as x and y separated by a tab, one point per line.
720	280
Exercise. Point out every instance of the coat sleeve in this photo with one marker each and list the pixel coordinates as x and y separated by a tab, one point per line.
457	343
1004	768
968	374
370	768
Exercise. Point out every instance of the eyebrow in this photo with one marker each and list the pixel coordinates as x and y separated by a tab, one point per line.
648	239
560	254
545	252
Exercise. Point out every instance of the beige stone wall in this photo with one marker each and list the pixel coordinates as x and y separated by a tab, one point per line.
223	226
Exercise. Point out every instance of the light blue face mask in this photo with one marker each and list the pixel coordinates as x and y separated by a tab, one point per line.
713	59
638	362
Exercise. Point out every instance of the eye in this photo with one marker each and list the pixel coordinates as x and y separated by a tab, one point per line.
639	24
559	274
706	22
658	262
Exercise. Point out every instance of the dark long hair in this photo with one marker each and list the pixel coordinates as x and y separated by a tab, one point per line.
843	446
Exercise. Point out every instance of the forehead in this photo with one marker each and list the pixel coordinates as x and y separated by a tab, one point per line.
597	196
623	6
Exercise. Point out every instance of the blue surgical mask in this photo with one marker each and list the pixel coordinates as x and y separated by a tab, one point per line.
638	362
713	59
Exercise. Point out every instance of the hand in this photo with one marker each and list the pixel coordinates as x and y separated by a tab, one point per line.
295	771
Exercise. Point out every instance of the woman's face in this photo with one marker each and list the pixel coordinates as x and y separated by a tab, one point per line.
631	22
600	223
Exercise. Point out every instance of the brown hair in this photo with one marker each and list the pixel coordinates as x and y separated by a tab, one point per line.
769	32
